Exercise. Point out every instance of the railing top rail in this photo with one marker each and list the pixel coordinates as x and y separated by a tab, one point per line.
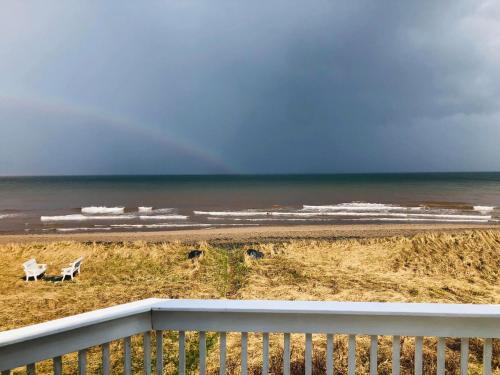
366	309
75	321
334	308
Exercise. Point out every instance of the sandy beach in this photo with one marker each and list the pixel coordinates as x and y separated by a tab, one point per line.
249	234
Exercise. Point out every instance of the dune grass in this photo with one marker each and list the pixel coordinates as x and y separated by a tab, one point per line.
430	267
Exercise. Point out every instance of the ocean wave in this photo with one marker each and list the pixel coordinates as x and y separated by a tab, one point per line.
163	217
232	213
102	210
81	229
79	217
6	216
336	214
358	206
484	209
163	210
144	209
423	219
159	225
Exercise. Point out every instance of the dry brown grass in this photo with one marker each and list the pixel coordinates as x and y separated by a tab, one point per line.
431	267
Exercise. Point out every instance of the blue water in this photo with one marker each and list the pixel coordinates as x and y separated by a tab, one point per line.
24	200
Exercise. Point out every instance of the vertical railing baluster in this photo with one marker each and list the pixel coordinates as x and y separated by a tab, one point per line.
373	354
286	354
244	353
464	355
57	365
441	353
105	358
146	343
127	356
418	355
396	354
222	353
82	362
487	351
182	353
308	354
159	352
351	357
329	354
202	344
265	353
31	369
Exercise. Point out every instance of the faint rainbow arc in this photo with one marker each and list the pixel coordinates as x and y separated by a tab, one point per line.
122	123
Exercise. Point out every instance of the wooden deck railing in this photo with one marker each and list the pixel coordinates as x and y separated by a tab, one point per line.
51	340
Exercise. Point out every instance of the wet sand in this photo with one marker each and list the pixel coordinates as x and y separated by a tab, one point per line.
250	234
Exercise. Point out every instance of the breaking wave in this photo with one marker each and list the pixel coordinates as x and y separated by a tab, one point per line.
102	210
79	217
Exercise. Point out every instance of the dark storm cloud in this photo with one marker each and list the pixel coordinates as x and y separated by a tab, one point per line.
251	87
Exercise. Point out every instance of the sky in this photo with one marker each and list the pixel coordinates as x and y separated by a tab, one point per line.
189	87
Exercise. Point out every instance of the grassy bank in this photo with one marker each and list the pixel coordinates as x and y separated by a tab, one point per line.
430	267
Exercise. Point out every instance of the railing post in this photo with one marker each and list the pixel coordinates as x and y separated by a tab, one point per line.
441	353
329	354
57	365
418	355
464	355
487	351
127	356
373	355
244	353
222	353
286	354
265	353
182	353
146	342
105	358
82	362
396	354
31	369
351	356
159	352
202	342
308	354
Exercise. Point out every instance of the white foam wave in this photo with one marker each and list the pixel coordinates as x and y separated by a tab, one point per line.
338	214
79	217
102	210
232	213
81	229
163	210
358	206
163	217
145	209
441	220
484	209
159	225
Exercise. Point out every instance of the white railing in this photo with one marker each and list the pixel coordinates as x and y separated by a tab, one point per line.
51	340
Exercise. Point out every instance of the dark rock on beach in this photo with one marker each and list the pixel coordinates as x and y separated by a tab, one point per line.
193	254
255	254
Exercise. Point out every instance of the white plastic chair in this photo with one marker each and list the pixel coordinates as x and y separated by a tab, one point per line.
33	269
74	268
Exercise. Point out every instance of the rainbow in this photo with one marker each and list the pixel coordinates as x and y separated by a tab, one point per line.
156	134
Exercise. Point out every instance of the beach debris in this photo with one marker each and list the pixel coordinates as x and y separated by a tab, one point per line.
194	254
255	254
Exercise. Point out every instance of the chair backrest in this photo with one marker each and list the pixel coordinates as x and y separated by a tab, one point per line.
29	264
77	263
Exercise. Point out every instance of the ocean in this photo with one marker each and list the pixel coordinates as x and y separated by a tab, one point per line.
130	203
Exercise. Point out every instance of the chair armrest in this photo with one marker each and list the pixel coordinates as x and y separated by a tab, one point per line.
67	269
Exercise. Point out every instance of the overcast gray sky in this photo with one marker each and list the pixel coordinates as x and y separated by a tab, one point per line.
119	87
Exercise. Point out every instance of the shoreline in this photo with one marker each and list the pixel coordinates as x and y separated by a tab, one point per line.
263	233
